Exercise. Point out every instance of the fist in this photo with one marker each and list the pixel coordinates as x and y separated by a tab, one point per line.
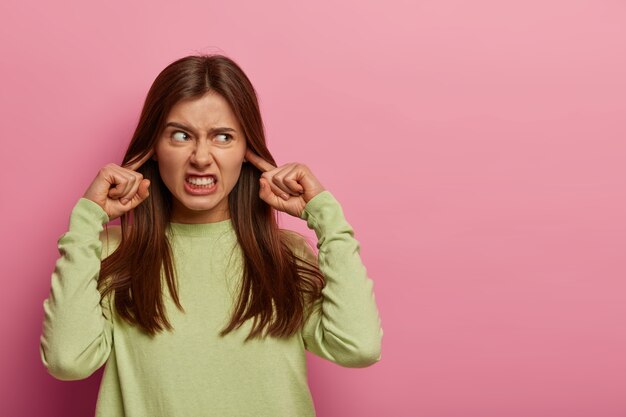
119	189
287	188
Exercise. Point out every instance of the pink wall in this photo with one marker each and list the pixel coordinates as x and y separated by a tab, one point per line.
477	147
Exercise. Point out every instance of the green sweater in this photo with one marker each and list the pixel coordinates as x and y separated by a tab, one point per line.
192	371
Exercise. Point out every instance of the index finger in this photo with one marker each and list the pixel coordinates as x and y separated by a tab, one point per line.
133	166
258	162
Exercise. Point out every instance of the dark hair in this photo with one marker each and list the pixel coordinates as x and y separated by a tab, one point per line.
133	270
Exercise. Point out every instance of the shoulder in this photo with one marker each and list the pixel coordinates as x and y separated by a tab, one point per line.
110	237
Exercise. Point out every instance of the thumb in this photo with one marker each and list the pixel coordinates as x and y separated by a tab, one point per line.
143	191
265	192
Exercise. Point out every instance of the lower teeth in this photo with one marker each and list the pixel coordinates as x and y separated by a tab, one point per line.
200	186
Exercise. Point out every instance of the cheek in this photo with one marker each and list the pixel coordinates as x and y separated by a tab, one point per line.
169	166
165	168
231	174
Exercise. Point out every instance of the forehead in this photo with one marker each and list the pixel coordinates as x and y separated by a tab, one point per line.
208	110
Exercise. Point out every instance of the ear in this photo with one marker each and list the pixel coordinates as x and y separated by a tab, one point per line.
154	157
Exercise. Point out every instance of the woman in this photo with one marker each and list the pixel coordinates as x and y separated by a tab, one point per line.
197	194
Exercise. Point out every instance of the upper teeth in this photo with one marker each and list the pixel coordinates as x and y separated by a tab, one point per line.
201	181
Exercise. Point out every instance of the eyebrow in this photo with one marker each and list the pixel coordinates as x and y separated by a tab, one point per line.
189	129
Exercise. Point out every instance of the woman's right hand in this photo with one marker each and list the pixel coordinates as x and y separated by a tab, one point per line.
119	189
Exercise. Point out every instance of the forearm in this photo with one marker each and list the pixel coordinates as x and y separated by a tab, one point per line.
76	337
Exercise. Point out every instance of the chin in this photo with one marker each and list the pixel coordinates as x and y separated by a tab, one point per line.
200	203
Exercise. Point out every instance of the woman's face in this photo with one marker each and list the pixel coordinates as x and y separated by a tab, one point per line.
201	136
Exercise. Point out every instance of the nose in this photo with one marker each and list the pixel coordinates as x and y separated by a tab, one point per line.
202	154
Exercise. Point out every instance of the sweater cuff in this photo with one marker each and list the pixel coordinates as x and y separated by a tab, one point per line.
88	217
323	213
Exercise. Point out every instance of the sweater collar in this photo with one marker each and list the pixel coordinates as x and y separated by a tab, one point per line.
201	229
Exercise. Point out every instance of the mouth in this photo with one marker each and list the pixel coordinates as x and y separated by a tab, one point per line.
206	180
201	185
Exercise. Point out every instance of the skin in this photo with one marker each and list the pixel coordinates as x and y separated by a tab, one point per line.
180	150
287	188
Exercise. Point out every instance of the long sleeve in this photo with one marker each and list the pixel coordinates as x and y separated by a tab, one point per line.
344	325
77	336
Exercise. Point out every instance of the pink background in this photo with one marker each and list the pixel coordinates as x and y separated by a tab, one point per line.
477	148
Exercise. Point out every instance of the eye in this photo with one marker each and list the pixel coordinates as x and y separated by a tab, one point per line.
227	135
178	132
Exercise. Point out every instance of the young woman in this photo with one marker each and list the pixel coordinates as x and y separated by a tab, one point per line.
199	303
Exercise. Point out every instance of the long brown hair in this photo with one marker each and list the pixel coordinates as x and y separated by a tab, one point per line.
276	281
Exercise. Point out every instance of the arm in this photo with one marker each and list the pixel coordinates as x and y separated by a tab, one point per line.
344	326
77	336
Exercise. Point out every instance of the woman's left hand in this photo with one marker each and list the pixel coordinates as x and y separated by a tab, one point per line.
286	188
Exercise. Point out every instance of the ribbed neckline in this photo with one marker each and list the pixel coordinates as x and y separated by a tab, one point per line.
202	229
